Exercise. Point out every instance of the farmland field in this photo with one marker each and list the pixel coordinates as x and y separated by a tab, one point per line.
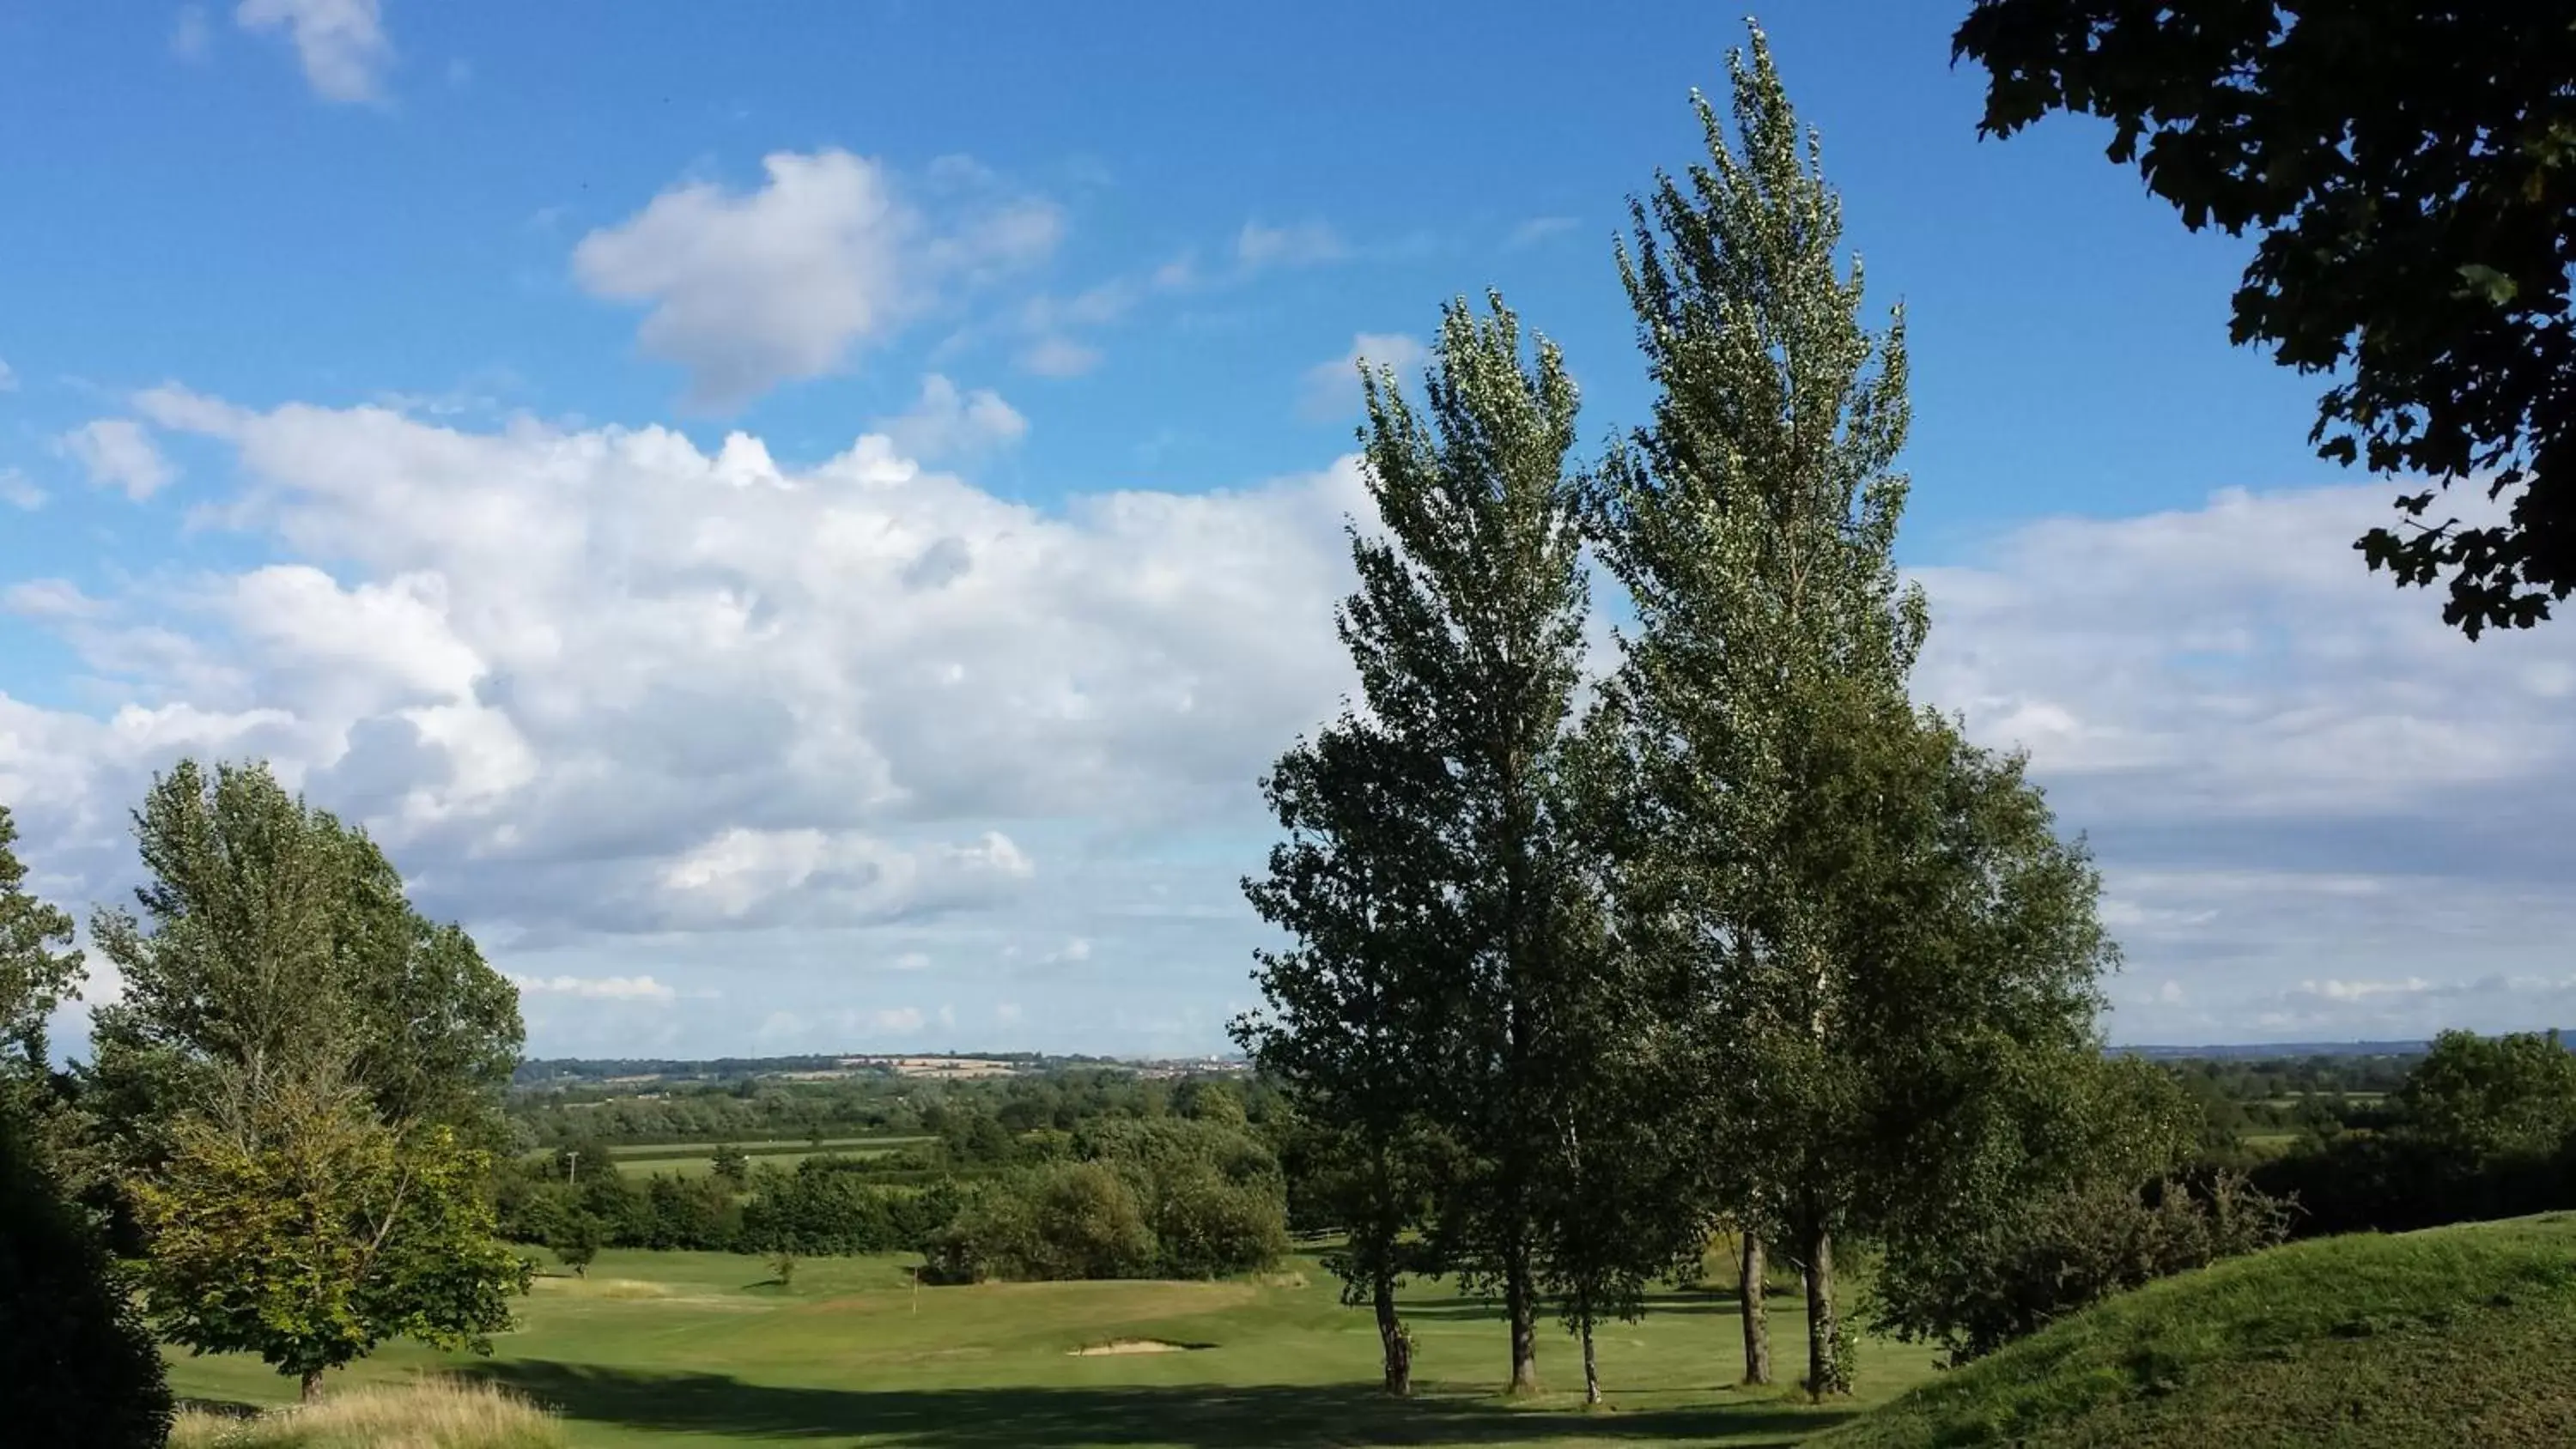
699	1349
696	1159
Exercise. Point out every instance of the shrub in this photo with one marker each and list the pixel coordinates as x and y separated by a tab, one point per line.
1207	1227
1066	1220
425	1414
2061	1252
77	1366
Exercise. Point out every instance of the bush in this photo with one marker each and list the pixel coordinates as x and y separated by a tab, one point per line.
77	1366
2062	1252
433	1413
1068	1220
1207	1227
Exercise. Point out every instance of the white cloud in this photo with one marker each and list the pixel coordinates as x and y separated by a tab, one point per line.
1258	247
19	492
118	453
2292	771
340	43
190	35
1058	357
632	708
900	1020
1007	1013
597	988
1537	229
748	290
627	707
8	378
945	422
1332	389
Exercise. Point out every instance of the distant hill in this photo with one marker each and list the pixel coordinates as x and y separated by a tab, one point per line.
2454	1336
2273	1051
643	1071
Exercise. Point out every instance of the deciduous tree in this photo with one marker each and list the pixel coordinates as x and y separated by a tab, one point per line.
305	1231
2412	172
1875	921
1429	870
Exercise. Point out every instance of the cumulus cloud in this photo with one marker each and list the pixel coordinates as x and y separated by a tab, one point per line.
947	422
616	701
597	988
1332	389
636	709
340	43
8	377
118	453
750	289
19	492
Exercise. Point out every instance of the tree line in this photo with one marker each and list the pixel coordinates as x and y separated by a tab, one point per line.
1584	963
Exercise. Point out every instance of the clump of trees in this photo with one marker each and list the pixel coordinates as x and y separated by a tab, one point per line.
1733	935
1163	1198
2482	1127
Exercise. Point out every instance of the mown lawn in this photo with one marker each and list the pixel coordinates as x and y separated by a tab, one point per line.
698	1349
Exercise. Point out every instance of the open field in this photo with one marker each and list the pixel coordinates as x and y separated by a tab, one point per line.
696	1349
696	1159
2451	1336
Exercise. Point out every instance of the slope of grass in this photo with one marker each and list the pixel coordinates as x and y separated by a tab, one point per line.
2453	1336
701	1350
429	1413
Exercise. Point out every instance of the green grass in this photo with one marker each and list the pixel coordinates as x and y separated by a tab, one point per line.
431	1413
2456	1336
699	1350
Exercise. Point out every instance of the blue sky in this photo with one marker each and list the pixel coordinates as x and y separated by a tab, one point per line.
372	369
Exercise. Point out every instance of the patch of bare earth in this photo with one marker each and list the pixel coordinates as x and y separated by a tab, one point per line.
1131	1345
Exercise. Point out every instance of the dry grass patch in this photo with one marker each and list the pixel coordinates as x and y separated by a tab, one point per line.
432	1413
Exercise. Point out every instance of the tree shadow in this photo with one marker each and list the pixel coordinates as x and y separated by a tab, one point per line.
1677	1301
1206	1416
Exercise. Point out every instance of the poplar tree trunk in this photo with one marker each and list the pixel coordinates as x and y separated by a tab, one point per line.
1397	1348
1757	1323
1824	1331
1591	1366
1522	1305
311	1386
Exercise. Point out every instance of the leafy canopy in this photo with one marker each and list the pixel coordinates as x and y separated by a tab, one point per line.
2412	170
307	1233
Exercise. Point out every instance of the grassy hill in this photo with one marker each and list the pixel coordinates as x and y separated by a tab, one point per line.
2454	1336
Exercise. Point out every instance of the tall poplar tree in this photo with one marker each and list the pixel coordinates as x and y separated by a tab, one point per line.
1352	1020
1443	863
1876	924
1751	523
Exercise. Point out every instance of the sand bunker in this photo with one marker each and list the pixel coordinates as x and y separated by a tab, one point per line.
1133	1345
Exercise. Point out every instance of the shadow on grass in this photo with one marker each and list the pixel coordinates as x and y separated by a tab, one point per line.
1211	1416
1660	1304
